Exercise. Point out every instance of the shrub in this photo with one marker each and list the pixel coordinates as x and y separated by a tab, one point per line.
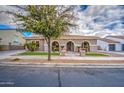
32	46
16	59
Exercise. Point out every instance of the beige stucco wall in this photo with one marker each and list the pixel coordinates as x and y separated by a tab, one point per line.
93	48
92	42
77	43
8	36
41	44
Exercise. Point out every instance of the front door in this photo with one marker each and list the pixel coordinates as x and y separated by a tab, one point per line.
70	46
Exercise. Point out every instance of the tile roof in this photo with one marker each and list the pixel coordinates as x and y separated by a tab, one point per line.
78	37
108	40
66	37
120	37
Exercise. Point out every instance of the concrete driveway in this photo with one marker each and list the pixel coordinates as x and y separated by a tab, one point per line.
115	53
121	53
61	77
4	54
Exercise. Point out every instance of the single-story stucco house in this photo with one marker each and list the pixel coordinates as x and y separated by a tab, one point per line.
108	45
67	43
10	39
119	39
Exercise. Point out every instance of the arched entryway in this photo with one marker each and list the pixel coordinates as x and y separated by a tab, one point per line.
55	46
70	46
85	46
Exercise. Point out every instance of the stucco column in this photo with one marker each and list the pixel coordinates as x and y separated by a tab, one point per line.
77	46
45	47
64	47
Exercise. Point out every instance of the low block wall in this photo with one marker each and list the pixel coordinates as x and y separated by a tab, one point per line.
12	47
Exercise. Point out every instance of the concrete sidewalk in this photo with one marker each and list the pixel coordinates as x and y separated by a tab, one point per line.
75	58
67	57
61	64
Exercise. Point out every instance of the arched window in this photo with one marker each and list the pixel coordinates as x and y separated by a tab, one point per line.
85	46
55	46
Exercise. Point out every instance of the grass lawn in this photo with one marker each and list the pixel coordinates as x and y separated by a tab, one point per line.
96	54
39	53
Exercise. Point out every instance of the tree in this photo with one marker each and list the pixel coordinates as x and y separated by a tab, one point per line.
47	20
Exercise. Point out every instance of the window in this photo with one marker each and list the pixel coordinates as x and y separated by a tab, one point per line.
55	46
15	39
37	42
85	46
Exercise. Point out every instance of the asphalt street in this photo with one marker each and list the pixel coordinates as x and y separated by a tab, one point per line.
60	77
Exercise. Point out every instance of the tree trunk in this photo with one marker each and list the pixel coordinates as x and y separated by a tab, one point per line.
49	50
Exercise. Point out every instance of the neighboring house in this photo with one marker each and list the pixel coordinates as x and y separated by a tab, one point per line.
120	39
67	43
10	38
0	39
111	43
108	45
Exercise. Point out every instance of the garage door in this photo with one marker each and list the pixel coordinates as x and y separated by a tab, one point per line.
111	47
122	47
